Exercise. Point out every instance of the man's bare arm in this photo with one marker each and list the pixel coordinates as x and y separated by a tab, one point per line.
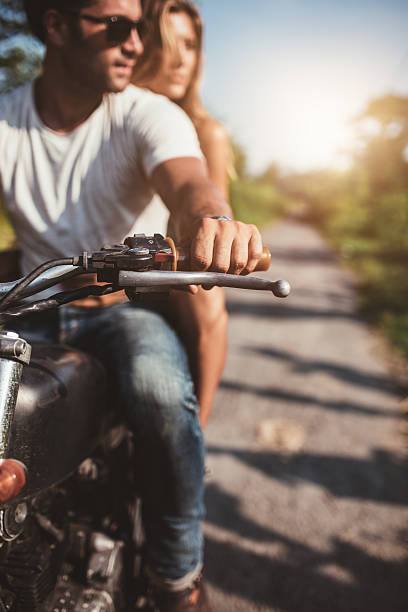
222	246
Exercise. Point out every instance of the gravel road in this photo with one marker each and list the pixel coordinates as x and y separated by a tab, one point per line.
307	499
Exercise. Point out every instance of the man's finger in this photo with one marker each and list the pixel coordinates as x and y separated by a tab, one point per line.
202	246
239	256
221	259
255	247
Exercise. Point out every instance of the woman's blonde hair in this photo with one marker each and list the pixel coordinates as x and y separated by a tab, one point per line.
159	37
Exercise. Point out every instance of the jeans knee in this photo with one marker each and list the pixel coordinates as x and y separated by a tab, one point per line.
160	395
169	437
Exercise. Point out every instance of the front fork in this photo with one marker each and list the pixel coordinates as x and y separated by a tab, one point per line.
14	354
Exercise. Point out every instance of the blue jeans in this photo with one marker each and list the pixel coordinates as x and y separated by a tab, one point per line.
146	361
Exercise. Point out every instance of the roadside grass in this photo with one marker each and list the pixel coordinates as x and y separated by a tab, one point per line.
371	237
384	296
369	229
256	202
382	267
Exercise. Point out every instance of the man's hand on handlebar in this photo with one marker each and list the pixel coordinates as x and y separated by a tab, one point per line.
224	246
215	245
147	264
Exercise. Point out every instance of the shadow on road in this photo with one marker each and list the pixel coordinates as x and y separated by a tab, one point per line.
352	376
286	311
382	477
303	399
298	578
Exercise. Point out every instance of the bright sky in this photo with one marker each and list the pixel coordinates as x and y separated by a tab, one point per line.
286	76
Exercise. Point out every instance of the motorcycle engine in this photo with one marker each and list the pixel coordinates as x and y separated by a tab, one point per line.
104	578
29	564
71	555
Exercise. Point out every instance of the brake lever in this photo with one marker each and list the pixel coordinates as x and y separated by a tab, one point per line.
148	264
173	280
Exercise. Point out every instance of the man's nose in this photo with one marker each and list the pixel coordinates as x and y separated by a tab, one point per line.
133	44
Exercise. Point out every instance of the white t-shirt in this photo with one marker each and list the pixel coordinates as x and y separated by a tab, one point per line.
66	193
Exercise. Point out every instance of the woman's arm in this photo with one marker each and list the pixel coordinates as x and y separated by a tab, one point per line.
202	319
216	148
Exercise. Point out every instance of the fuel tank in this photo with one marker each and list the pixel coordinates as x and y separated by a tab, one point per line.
60	413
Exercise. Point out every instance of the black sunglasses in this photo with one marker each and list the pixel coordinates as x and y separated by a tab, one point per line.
118	28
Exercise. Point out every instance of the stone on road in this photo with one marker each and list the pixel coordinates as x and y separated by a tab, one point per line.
307	498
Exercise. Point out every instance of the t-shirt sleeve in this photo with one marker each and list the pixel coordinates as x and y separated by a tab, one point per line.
161	131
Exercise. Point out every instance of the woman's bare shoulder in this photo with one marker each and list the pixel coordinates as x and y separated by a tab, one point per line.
212	132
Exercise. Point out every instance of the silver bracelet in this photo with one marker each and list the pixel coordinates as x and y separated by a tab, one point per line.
222	218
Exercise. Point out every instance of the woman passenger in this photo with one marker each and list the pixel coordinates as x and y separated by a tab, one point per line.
171	66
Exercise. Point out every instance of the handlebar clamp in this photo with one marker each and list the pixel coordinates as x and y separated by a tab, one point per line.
139	253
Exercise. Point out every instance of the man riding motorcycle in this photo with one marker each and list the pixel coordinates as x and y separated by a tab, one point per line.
82	154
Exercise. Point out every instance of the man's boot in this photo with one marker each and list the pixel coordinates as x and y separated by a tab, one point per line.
193	599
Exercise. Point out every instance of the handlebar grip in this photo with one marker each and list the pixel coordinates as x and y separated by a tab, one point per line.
264	263
183	254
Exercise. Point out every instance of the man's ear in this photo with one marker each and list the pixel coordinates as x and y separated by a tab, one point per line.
56	28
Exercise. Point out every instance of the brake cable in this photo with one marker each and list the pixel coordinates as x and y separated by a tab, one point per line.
16	291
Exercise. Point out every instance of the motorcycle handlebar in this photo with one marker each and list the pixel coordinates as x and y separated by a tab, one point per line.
44	281
148	278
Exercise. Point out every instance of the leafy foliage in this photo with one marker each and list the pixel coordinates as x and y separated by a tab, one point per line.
383	153
12	19
254	201
7	236
20	54
20	58
364	212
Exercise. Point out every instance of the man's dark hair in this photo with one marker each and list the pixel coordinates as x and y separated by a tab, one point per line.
35	10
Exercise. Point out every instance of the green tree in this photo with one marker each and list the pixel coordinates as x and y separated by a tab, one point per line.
12	19
270	175
383	153
20	54
364	212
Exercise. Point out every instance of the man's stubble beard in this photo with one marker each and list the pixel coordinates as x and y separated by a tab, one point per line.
85	72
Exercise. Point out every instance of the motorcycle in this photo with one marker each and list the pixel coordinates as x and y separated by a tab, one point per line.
71	534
